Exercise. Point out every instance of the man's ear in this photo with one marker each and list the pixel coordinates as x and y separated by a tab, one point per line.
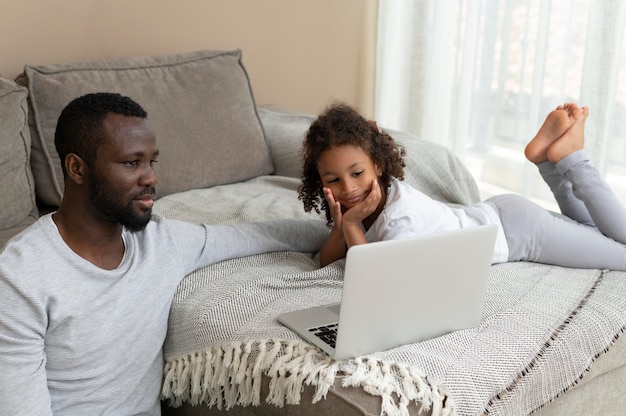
76	168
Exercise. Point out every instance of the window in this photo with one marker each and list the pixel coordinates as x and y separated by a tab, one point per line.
480	77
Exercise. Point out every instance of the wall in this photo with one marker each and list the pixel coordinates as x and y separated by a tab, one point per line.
300	54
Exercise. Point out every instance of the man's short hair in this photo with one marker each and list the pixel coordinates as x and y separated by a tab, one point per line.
80	129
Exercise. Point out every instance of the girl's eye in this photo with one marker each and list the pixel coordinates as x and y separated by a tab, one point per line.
359	173
131	164
335	180
153	162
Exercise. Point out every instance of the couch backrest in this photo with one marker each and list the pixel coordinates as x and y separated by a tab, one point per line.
208	127
199	104
17	203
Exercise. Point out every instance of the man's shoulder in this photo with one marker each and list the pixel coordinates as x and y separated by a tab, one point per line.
29	250
158	224
162	228
158	220
32	237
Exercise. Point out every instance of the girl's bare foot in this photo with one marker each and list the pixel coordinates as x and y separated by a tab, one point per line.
572	140
556	124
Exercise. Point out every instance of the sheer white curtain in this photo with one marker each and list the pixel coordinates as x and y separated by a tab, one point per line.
479	76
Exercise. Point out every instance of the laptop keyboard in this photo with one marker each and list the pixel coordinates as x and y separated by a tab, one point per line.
327	333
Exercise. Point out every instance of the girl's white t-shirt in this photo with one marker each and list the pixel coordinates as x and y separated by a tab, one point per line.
409	213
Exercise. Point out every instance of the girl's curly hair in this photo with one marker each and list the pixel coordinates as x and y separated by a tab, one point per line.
341	125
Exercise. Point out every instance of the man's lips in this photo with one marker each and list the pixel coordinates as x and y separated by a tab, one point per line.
146	200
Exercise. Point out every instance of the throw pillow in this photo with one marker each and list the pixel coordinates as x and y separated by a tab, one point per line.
199	104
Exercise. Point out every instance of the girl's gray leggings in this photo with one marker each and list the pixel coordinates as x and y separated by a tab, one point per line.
589	233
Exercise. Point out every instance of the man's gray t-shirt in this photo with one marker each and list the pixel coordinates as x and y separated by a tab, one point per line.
79	340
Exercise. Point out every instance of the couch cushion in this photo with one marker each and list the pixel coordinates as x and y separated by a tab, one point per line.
199	104
17	189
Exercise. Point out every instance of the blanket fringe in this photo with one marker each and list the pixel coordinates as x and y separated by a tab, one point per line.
231	374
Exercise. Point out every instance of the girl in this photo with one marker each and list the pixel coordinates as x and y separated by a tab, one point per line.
353	172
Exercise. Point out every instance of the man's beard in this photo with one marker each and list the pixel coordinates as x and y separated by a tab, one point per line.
115	210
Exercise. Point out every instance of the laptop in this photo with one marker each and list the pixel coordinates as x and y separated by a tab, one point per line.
398	292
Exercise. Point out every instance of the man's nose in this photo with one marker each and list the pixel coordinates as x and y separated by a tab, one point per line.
149	178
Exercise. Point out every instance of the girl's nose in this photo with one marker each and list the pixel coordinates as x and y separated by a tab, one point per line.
347	187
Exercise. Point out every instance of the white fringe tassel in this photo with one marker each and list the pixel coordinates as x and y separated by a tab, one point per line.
231	374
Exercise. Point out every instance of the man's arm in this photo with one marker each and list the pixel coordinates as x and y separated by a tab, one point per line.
23	382
238	240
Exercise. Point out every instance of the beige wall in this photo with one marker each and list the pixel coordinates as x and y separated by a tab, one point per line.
300	54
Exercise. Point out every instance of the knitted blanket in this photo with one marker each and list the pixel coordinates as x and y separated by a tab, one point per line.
542	327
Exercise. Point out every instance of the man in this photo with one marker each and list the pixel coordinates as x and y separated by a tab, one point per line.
85	292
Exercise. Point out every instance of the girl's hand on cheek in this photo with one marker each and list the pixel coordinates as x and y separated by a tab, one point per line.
365	208
335	207
374	197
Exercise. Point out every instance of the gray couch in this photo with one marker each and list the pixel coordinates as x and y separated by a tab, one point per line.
225	159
